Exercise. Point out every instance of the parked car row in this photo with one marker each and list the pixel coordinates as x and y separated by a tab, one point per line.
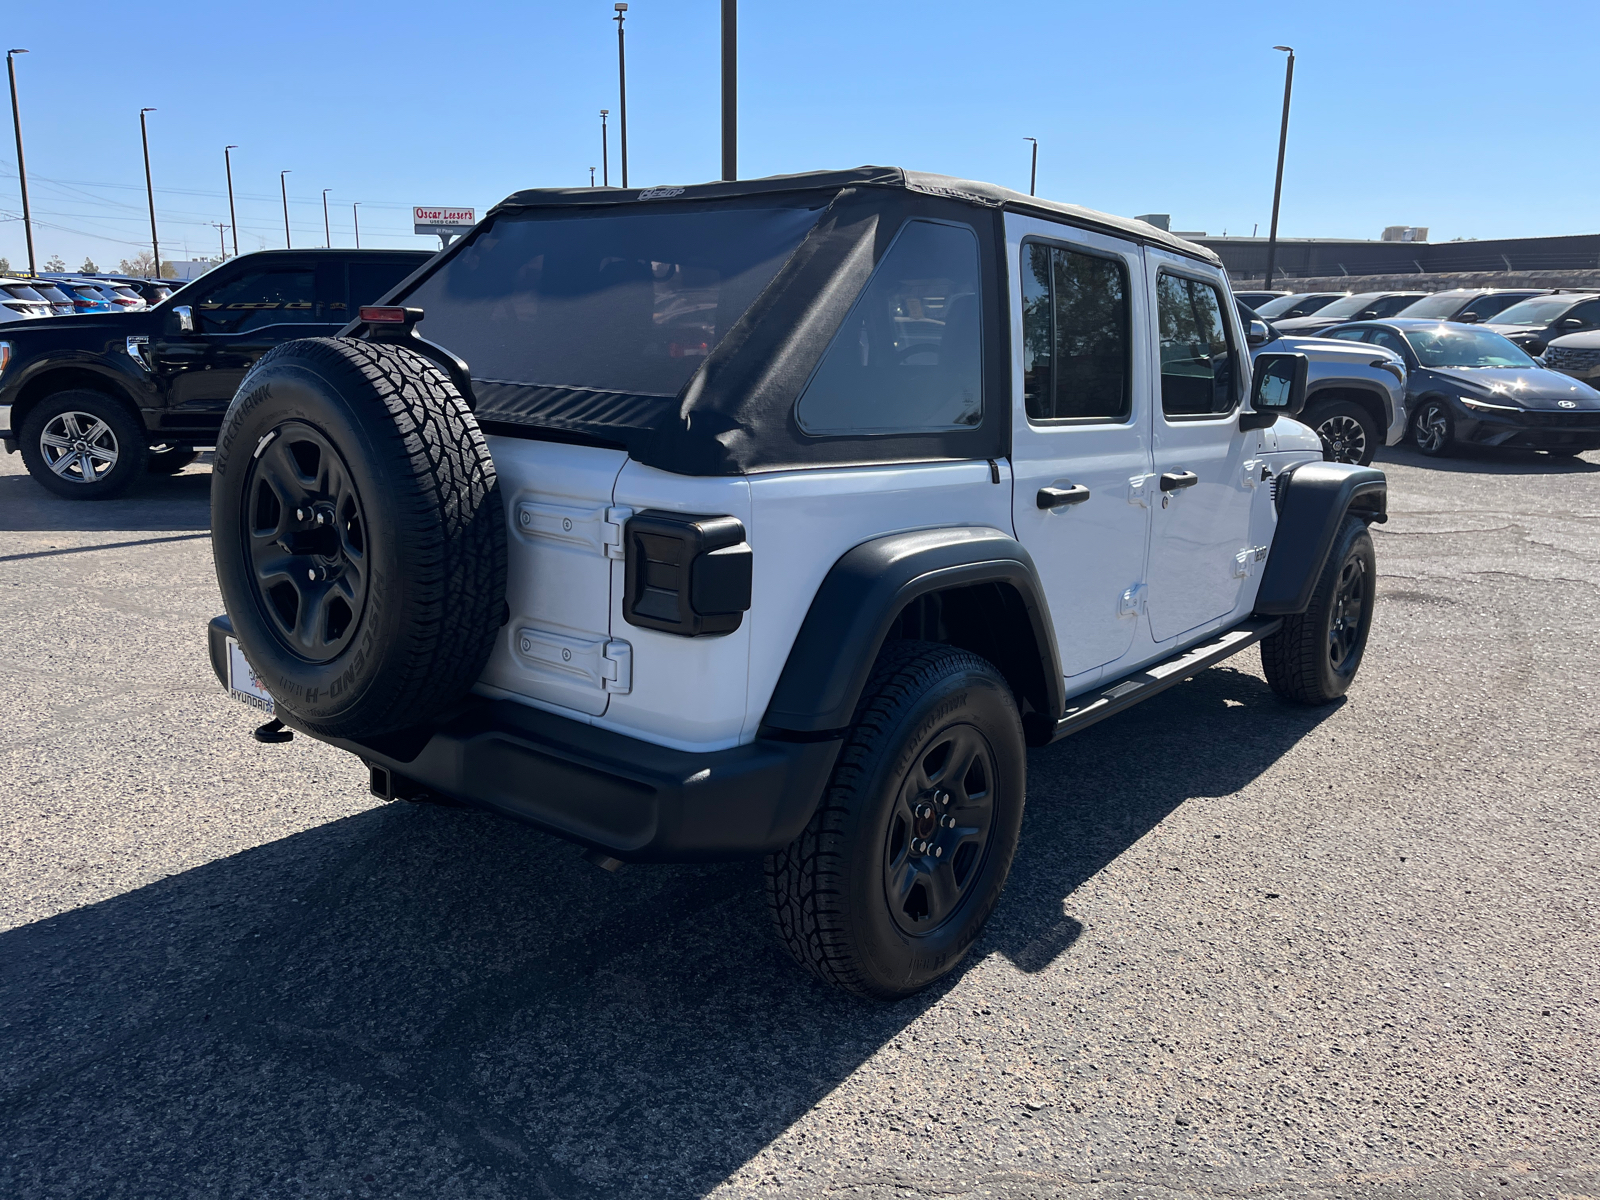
56	294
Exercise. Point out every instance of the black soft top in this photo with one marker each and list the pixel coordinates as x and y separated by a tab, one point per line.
969	191
736	414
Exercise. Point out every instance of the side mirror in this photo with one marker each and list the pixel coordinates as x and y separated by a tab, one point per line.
1570	323
1258	333
1277	389
1469	318
185	316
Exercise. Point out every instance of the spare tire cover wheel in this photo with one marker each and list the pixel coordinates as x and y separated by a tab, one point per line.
359	535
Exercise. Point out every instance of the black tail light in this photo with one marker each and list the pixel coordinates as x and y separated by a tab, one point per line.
686	574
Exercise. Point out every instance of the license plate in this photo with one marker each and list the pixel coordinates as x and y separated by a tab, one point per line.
243	683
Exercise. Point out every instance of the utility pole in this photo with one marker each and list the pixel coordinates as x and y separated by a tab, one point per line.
327	230
605	153
356	216
22	171
221	239
730	89
1277	188
622	87
284	187
150	189
228	162
1033	172
591	176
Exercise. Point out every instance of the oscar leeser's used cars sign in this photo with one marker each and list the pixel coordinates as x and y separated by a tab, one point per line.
442	220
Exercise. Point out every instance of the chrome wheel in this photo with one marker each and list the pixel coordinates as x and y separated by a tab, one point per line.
78	447
1349	605
1432	429
1343	439
305	530
939	830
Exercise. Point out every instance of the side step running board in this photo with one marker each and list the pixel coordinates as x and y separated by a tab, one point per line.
1083	711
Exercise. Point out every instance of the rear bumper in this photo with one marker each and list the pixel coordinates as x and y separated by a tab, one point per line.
634	800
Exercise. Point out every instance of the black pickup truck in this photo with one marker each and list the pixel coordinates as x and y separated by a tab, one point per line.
94	401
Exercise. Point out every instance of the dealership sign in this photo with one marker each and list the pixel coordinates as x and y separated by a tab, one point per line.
444	221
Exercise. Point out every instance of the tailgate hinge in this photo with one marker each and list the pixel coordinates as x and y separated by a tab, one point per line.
611	536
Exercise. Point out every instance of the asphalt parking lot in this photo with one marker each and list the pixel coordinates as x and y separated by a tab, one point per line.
1247	950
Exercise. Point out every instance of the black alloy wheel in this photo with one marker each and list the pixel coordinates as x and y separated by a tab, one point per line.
938	834
1430	428
306	533
1346	625
893	878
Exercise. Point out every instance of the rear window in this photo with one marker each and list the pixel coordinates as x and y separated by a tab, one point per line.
52	293
613	301
21	291
1441	304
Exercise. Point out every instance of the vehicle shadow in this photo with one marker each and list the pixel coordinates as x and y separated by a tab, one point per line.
154	503
1488	460
432	1002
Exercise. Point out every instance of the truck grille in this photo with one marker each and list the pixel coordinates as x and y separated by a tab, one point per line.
1571	358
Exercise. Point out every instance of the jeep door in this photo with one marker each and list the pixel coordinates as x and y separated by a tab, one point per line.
1081	449
1200	518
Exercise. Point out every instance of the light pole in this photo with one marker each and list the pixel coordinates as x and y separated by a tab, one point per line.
730	89
22	171
150	190
232	216
605	153
327	230
622	88
356	216
1033	171
1283	142
283	186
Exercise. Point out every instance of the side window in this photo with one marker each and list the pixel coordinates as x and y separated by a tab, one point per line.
370	280
1388	340
1197	364
1076	350
1347	335
1588	313
909	357
258	299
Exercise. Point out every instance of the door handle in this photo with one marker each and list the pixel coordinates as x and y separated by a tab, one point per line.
1173	480
1054	497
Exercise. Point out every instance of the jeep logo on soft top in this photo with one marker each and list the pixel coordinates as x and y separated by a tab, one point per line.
660	193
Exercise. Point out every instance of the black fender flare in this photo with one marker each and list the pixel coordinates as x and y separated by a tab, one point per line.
865	591
1313	499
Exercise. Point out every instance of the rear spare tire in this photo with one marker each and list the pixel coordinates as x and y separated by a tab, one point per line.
358	534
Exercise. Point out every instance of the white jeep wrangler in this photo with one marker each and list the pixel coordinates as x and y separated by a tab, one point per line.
779	518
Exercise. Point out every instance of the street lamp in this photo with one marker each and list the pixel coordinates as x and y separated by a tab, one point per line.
22	171
730	89
1283	141
327	230
283	186
232	216
150	190
622	88
605	154
1033	172
356	216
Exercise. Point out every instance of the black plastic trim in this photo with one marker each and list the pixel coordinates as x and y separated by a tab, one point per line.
1312	500
633	799
863	594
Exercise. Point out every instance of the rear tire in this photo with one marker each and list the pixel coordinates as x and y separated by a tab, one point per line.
1348	432
1314	657
83	445
893	879
358	535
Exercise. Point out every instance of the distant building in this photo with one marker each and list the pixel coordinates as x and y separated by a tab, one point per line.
1405	233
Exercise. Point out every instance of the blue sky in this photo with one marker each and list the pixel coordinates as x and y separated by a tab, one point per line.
1474	119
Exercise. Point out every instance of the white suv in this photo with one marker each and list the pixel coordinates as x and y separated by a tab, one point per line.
778	518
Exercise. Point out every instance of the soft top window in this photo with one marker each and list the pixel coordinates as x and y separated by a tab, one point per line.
606	301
